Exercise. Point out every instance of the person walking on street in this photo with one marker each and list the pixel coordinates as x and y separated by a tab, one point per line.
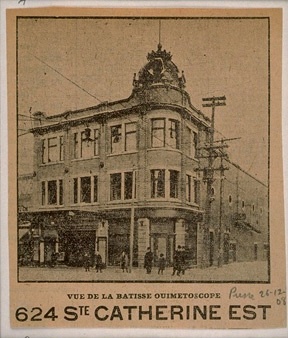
177	261
124	261
183	260
162	264
86	261
148	260
98	262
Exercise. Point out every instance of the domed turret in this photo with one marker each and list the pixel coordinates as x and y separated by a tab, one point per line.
159	70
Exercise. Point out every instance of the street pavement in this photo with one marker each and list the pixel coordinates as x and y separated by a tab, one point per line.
239	271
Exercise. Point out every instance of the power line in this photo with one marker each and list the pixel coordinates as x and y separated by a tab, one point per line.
28	117
65	77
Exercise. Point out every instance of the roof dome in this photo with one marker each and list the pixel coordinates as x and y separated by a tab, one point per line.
159	70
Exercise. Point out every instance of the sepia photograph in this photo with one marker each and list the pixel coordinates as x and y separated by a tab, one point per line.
143	149
145	171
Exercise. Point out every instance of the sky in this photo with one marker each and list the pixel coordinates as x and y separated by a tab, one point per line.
219	57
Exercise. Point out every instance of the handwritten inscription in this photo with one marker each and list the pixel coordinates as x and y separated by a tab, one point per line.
234	293
274	292
277	293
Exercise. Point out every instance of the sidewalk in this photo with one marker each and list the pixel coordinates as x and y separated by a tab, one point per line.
239	271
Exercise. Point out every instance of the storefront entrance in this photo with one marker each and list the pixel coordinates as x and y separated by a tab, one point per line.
102	248
75	244
49	249
163	244
116	245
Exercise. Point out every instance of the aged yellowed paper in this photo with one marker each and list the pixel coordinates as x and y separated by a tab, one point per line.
145	168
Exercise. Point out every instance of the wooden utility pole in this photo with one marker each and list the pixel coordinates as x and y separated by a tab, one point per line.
208	177
221	235
132	223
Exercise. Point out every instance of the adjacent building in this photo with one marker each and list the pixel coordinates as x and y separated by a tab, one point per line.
129	168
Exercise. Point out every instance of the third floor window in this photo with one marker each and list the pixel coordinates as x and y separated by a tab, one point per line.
52	149
86	148
123	138
165	133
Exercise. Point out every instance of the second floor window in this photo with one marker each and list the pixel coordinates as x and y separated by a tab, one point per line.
85	189
52	192
192	189
121	185
196	190
115	187
52	149
158	183
164	183
174	183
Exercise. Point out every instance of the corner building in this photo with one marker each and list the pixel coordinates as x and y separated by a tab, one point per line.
100	169
94	165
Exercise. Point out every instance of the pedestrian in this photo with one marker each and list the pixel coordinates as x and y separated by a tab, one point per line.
183	260
162	264
148	260
124	261
86	261
177	261
54	257
98	262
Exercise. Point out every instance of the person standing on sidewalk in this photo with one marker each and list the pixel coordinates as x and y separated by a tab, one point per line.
98	262
177	261
124	261
148	260
162	264
183	260
86	261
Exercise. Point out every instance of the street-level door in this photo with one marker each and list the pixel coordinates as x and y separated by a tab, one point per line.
116	245
49	249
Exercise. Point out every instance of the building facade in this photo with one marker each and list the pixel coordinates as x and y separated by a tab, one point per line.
239	218
126	171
